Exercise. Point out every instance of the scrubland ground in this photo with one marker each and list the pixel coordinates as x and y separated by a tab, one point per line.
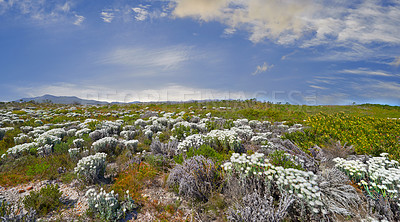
211	161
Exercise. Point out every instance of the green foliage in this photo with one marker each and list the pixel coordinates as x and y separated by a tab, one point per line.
280	158
181	132
93	125
228	124
205	151
368	135
61	148
37	169
211	125
44	200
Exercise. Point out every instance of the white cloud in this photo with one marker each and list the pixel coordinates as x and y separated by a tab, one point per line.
141	13
107	16
278	20
164	58
317	87
262	68
79	19
305	22
364	71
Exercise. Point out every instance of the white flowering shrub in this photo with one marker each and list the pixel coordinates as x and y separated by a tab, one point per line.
107	206
192	141
128	135
224	138
20	150
58	132
244	132
78	142
91	168
106	144
82	132
131	145
47	139
241	122
26	129
74	153
45	150
300	183
22	138
258	140
148	134
378	176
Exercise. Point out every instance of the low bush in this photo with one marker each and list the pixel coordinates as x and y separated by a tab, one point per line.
203	150
105	145
283	159
133	179
91	168
196	179
107	207
44	200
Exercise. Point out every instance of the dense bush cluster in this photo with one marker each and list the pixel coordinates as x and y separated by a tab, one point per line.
91	168
107	207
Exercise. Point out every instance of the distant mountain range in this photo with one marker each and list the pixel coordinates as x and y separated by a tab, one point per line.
62	100
75	100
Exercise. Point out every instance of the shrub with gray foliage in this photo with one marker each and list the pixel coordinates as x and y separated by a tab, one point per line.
165	149
259	208
338	196
196	179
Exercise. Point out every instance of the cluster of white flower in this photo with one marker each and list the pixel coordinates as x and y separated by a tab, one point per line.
91	168
378	175
128	134
301	183
228	138
244	132
74	153
82	132
45	150
355	169
22	138
258	139
195	140
78	142
131	145
19	150
44	139
107	205
106	144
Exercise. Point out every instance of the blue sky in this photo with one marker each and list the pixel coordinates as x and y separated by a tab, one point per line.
298	51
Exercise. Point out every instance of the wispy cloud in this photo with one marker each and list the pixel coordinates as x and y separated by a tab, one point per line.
262	68
42	12
396	62
107	16
317	87
79	20
141	13
164	58
365	71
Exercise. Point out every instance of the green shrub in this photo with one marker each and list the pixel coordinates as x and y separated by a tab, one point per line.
281	158
37	169
44	200
204	150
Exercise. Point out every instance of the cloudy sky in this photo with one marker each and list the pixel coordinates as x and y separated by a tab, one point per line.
297	51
